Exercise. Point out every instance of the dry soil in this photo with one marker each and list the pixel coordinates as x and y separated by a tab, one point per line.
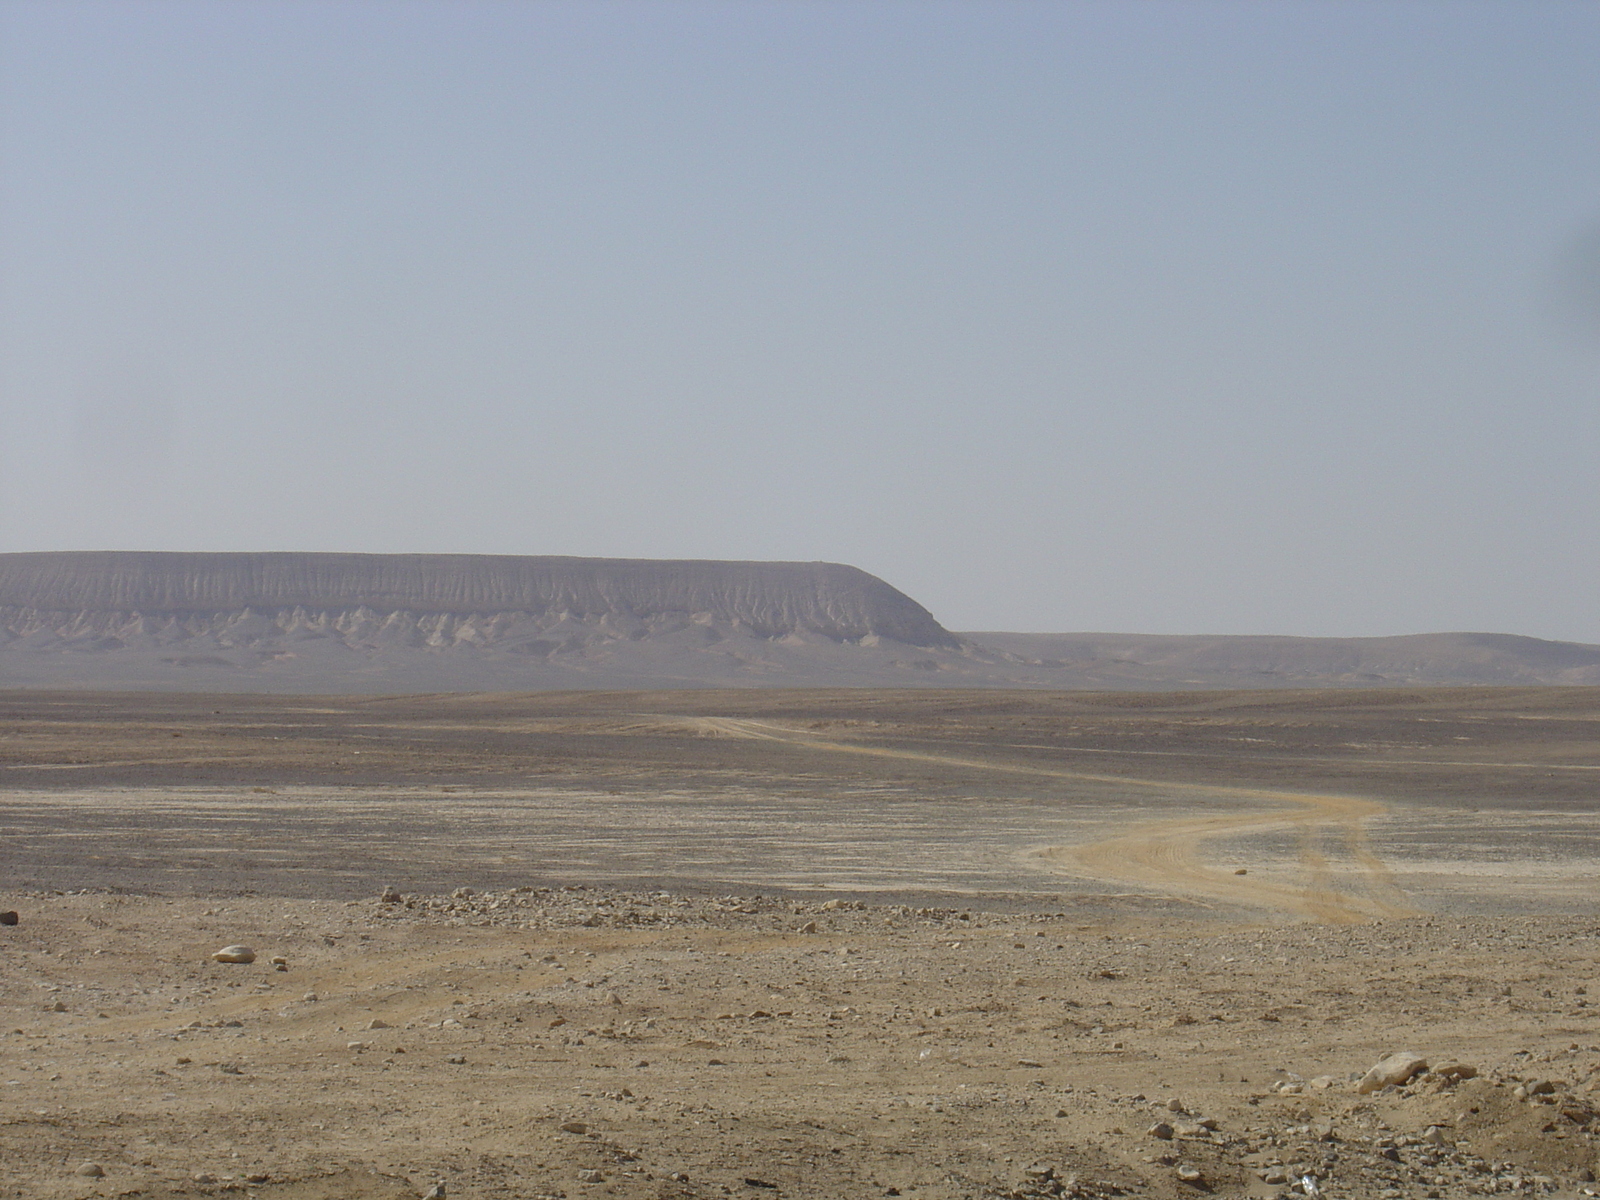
933	945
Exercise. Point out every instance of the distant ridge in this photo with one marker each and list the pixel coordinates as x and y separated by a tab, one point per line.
305	622
770	598
1141	660
373	623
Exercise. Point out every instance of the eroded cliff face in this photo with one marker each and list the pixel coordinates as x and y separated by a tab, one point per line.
363	593
323	616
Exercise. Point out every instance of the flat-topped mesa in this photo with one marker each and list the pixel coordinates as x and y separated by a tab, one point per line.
770	599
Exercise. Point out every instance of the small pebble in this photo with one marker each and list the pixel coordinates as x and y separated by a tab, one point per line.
235	954
90	1170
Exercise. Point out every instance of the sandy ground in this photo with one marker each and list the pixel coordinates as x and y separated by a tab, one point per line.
828	944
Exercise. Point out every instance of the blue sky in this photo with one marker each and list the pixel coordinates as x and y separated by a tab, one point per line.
1180	318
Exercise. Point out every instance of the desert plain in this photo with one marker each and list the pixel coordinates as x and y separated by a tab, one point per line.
853	943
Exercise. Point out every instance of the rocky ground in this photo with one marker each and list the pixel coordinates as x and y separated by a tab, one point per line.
576	1042
1008	945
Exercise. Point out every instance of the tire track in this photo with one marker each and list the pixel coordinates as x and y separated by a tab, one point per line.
1163	855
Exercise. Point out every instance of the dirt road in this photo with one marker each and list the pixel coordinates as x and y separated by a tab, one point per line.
1164	855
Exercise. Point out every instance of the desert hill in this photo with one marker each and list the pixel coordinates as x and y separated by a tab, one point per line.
1132	660
374	623
450	622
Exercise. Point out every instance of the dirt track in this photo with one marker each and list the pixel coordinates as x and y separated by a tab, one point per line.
1164	855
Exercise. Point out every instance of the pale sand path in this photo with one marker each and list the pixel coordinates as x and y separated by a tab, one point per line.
1163	855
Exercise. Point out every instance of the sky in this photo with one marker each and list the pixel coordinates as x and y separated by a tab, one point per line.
1144	317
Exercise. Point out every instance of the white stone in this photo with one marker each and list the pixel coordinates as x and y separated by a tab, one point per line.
1397	1069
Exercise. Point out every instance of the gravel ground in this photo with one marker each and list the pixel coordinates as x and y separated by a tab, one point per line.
587	1042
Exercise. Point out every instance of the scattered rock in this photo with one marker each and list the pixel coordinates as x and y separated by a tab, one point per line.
809	927
1191	1174
9	917
591	1177
577	1127
390	896
1456	1070
1397	1069
90	1170
377	1023
1161	1130
436	1192
235	954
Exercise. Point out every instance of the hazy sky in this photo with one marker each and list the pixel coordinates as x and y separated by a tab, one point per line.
1158	317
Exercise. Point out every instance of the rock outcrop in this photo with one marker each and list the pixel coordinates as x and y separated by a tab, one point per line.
769	599
374	622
